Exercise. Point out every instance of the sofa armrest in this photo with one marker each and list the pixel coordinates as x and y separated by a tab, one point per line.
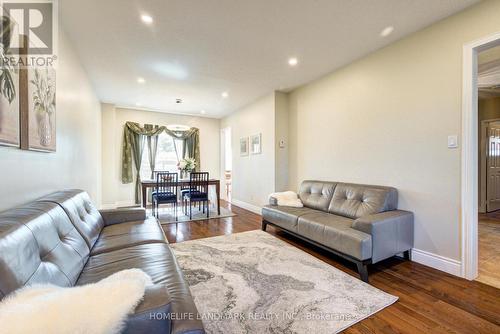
153	314
391	231
117	216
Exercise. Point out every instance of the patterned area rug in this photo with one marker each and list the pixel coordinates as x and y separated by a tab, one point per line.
253	282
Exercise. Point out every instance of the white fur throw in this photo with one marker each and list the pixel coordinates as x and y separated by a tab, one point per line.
287	198
96	308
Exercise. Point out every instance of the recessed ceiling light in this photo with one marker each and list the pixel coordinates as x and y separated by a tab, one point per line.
141	80
387	31
138	104
293	61
225	94
203	112
146	19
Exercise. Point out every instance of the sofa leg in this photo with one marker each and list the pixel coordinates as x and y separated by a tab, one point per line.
264	225
407	255
363	271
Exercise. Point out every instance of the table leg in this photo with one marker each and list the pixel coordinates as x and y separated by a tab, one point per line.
217	190
144	192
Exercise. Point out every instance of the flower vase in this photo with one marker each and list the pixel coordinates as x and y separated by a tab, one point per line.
45	130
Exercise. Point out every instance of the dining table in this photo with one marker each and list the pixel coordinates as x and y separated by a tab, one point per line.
182	183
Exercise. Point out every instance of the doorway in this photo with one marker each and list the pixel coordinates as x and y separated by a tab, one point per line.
470	155
488	93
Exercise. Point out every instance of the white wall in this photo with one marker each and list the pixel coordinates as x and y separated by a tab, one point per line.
253	175
26	175
113	121
385	120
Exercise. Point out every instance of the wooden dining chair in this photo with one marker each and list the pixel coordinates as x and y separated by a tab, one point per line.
197	192
165	191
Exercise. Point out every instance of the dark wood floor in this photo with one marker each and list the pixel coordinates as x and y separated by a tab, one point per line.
430	301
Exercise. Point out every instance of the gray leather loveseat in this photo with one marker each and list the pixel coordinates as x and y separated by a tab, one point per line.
64	240
358	222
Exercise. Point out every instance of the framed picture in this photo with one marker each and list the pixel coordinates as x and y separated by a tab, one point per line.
42	109
255	144
244	146
9	106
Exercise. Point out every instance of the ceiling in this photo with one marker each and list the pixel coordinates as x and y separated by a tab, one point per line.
195	50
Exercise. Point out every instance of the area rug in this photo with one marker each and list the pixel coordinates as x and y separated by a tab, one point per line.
253	282
167	215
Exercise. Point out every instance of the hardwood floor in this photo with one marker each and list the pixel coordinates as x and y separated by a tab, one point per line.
430	301
489	249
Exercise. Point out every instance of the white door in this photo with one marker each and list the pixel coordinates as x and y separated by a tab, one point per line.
493	167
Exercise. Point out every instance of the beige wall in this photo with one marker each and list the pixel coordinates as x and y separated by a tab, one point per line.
385	120
489	108
253	175
26	175
113	120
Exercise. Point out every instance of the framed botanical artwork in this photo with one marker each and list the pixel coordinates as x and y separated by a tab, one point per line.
41	109
244	147
9	106
255	144
9	90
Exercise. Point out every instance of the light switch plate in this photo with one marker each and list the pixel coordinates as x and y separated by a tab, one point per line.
453	141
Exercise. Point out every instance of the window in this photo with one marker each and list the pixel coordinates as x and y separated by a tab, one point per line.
168	155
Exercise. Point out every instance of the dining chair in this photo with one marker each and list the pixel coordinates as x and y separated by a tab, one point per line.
155	173
165	191
197	192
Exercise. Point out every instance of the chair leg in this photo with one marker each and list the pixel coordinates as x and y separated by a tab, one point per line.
264	225
190	210
175	210
208	210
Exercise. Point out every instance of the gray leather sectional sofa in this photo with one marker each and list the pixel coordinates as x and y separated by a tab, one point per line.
64	240
358	222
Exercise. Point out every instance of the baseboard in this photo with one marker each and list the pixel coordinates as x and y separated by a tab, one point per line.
438	262
247	206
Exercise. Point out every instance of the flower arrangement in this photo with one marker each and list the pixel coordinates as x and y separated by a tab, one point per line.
187	165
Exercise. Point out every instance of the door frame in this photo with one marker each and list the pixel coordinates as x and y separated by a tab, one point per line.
469	174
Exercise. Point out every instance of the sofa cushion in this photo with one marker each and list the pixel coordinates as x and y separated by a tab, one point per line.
335	232
158	261
39	244
129	234
284	216
316	194
357	200
81	211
